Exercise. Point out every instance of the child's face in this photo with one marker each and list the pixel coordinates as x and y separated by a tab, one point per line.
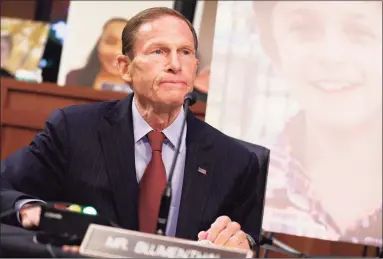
331	56
109	46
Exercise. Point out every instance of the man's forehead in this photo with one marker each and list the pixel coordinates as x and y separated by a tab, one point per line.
157	32
165	41
146	27
159	24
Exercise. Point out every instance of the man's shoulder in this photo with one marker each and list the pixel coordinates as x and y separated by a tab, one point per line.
88	112
225	142
236	148
81	115
89	108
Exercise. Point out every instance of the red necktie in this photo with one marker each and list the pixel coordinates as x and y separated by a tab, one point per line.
152	185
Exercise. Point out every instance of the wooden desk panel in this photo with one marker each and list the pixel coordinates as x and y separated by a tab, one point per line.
12	138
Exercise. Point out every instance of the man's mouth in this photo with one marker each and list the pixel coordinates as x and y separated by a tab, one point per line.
174	83
334	86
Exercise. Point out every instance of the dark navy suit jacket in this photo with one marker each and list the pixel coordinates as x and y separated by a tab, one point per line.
85	155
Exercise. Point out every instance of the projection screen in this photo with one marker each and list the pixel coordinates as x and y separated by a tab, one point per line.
304	79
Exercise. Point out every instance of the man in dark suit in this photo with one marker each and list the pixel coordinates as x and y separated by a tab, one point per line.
104	155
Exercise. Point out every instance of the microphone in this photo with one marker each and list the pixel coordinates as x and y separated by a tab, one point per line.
189	100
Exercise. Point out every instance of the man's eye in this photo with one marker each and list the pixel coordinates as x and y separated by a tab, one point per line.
157	51
186	52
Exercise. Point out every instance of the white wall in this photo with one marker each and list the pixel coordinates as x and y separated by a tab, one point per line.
204	24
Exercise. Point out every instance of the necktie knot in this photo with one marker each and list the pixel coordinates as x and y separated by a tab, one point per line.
156	139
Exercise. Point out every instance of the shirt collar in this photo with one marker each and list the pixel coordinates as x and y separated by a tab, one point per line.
141	127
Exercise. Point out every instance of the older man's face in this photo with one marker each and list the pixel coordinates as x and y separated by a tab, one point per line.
164	68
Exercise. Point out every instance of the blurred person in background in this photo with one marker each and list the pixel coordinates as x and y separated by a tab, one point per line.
201	83
100	72
325	177
6	50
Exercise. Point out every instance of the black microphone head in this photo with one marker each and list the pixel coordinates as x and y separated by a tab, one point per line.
191	98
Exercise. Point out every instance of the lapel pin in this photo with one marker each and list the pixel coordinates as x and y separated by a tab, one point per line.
201	170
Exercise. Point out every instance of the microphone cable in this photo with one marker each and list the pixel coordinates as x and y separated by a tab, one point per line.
48	247
166	198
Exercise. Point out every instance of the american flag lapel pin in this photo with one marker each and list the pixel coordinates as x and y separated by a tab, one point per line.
201	170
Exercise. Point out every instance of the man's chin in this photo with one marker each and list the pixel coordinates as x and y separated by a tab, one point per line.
173	102
173	98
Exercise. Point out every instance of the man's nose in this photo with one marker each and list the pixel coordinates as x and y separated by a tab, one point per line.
174	65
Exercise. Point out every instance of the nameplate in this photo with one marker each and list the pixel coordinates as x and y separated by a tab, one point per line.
104	241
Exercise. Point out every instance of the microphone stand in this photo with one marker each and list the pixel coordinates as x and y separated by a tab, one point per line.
166	199
267	244
266	241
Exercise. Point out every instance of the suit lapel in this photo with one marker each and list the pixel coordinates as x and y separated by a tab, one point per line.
117	140
195	184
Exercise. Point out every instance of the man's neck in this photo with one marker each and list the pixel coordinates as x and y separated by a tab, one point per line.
158	117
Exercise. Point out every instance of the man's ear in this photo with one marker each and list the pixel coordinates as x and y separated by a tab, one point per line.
123	66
